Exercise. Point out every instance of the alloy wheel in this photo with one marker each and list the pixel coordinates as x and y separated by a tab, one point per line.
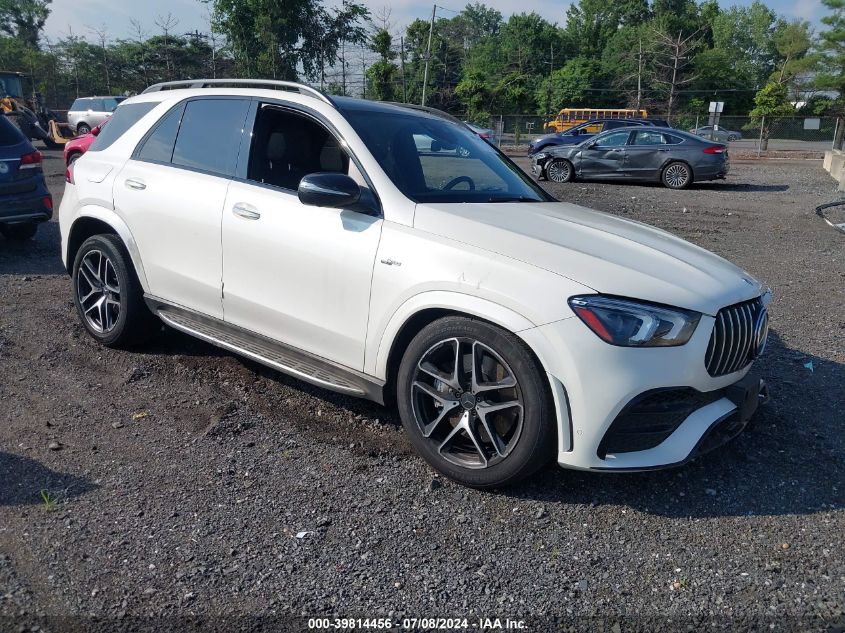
676	176
467	402
559	171
98	291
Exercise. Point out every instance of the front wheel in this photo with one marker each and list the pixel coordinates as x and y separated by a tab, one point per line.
560	170
475	403
677	176
83	128
20	231
733	137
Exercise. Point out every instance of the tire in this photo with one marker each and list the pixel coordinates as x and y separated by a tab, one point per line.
560	170
20	231
51	144
83	128
73	158
677	175
733	137
446	417
102	269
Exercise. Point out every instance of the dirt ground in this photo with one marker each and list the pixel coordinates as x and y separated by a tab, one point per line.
177	485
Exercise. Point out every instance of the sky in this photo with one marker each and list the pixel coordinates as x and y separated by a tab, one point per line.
81	16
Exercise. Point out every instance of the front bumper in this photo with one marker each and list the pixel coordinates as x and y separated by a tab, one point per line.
595	384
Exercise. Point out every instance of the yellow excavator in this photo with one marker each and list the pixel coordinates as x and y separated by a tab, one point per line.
31	115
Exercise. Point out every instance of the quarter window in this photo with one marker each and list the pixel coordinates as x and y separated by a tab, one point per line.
123	118
210	135
158	147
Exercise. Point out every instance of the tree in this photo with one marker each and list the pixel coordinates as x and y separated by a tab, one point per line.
673	57
382	75
278	38
24	19
567	86
831	75
772	100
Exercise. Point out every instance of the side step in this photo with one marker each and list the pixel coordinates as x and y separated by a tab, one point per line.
278	356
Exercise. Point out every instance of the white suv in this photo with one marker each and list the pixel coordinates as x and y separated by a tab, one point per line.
321	237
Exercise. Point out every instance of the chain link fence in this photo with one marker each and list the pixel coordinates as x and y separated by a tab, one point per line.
809	134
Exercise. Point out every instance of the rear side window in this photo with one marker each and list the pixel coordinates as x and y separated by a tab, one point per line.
671	139
123	118
9	133
210	135
109	104
158	147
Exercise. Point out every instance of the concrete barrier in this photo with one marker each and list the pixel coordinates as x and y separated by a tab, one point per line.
834	164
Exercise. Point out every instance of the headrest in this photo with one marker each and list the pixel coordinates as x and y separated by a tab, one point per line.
331	157
277	146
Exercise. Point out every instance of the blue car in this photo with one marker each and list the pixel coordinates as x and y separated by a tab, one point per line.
582	132
25	200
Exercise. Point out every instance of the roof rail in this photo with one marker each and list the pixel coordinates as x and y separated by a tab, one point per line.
429	110
263	83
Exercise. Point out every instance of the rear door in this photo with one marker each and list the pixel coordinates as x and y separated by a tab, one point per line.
646	154
15	178
605	156
172	192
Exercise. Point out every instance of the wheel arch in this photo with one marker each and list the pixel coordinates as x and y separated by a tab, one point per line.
96	221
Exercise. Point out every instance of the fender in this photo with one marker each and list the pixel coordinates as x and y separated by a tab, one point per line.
378	349
376	363
120	227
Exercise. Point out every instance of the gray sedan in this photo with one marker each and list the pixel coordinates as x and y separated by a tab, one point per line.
675	158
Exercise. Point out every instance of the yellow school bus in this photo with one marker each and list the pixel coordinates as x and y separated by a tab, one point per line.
569	117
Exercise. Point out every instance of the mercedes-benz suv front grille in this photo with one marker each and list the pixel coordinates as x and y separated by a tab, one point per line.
738	337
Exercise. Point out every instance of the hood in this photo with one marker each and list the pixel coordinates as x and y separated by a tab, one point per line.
606	253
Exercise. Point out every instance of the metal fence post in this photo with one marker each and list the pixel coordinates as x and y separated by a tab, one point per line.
835	131
760	142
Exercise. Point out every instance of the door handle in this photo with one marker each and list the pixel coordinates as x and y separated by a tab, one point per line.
246	211
134	183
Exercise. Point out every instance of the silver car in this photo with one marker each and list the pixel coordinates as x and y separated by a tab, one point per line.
88	112
717	133
675	158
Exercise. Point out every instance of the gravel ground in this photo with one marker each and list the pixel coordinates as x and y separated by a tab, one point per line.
185	486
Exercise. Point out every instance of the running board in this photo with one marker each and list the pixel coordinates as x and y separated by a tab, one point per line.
278	356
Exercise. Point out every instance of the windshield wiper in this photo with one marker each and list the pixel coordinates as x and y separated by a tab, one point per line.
513	199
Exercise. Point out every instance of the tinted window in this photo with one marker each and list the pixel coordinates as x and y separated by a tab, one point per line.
210	135
123	118
158	147
671	139
9	133
97	105
80	104
613	140
434	160
109	104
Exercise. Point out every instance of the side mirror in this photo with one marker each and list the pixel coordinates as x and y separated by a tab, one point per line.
328	189
95	130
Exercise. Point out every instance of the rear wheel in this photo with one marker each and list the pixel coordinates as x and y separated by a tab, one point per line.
560	170
73	158
107	293
20	231
475	404
83	128
677	175
733	137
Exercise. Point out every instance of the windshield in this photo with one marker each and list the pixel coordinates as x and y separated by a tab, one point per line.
434	160
10	85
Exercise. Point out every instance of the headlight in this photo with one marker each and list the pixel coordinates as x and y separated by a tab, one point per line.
541	156
633	323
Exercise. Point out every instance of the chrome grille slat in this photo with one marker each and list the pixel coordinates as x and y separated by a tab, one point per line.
732	344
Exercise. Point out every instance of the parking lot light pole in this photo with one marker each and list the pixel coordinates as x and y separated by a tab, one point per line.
428	54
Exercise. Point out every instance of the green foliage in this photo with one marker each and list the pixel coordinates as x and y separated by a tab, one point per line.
772	100
569	84
832	50
24	19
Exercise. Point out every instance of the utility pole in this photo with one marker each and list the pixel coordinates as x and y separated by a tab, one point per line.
428	53
402	64
640	76
549	107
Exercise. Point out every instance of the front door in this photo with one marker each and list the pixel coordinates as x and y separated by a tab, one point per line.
605	156
298	274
